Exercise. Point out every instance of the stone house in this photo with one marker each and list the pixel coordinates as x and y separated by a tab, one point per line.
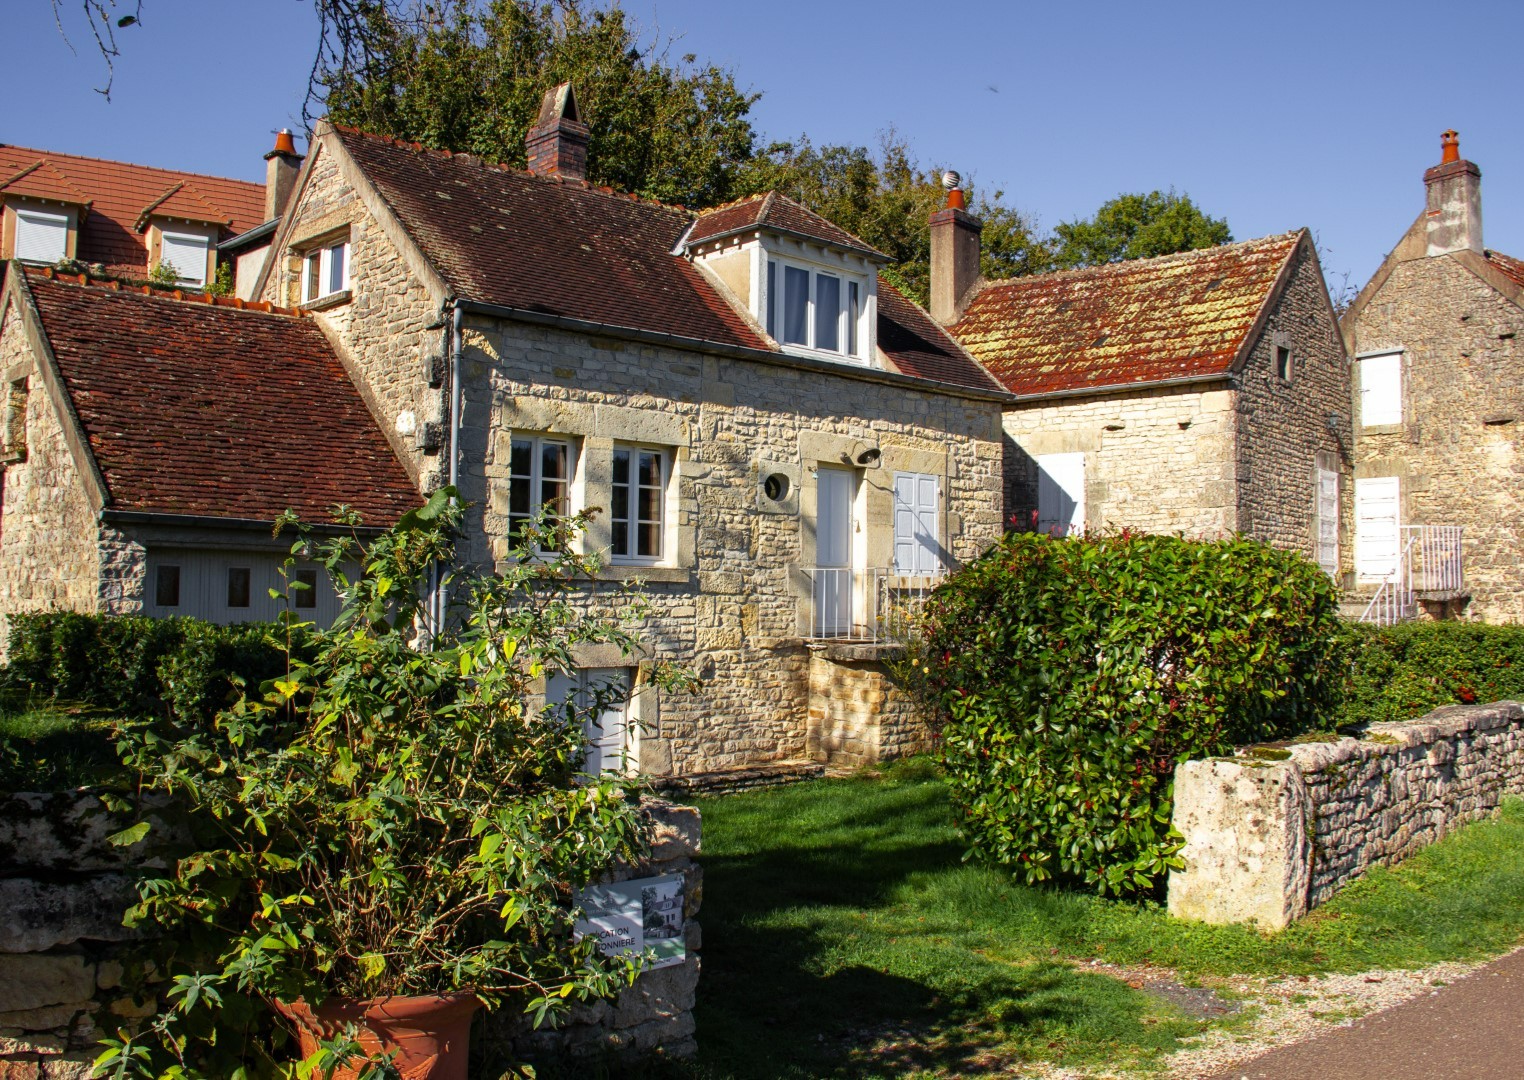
778	441
125	219
150	437
1439	408
1202	393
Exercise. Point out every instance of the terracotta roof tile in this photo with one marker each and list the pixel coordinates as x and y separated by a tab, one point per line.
1125	323
215	409
119	192
773	211
919	347
41	180
557	247
1510	267
182	200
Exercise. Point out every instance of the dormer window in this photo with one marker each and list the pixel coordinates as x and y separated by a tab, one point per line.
42	236
325	270
814	308
185	255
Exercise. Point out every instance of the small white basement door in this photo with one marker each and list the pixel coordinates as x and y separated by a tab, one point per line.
1061	494
1377	517
610	737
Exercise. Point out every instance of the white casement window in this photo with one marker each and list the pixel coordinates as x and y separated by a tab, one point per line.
1378	527
41	236
1381	389
325	271
1328	522
1061	494
639	504
917	523
539	476
610	735
814	308
186	254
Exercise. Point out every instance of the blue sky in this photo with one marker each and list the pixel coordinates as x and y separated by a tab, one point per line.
1271	115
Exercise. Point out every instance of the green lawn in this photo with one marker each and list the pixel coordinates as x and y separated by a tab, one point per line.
844	935
46	746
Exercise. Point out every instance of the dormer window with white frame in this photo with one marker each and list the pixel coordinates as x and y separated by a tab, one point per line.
187	254
325	270
814	308
42	236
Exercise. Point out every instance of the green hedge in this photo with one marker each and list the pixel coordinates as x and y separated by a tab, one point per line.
1403	671
1072	674
137	666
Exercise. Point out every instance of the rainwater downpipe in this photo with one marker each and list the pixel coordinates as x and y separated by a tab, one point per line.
457	320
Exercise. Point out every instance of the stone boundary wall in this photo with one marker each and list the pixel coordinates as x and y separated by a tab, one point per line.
64	963
1277	830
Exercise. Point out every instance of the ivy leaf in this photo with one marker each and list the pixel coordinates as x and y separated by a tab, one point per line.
130	835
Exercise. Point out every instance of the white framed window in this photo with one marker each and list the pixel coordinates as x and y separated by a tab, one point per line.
539	475
42	236
186	254
1381	389
917	523
325	271
814	308
639	502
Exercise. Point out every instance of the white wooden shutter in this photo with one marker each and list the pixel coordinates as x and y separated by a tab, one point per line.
1381	389
187	254
1061	493
1377	534
1328	521
41	237
917	523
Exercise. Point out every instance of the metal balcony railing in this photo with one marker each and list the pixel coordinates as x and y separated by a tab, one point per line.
1429	560
873	606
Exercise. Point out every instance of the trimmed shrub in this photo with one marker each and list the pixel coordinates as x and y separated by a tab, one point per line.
1071	675
1400	672
132	665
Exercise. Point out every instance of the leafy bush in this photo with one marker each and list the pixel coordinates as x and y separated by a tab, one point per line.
396	814
1071	675
1399	672
132	665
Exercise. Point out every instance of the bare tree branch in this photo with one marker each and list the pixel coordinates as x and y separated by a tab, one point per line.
104	18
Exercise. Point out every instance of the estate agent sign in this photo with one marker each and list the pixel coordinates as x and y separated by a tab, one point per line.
635	918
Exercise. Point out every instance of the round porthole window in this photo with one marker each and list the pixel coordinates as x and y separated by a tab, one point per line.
775	487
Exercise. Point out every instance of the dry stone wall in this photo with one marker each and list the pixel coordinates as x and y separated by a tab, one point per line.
857	715
1274	832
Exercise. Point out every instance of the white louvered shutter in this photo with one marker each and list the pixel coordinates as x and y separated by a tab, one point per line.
187	254
1377	518
41	237
916	523
1328	521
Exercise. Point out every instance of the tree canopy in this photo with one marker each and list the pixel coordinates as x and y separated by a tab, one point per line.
1136	226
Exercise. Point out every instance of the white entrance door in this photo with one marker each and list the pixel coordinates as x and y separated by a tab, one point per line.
610	736
1061	494
833	552
1377	516
1328	522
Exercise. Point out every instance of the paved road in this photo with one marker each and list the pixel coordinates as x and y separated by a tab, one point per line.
1470	1030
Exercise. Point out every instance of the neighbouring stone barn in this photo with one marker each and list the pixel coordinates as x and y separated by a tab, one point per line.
1203	393
777	441
1439	403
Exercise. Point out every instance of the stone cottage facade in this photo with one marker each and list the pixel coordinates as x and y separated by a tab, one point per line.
1439	403
150	437
1202	393
774	437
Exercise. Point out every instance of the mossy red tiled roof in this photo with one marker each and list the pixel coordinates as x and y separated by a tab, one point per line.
1127	323
215	408
1511	268
920	347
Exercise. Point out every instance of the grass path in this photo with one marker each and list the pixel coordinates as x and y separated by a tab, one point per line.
844	935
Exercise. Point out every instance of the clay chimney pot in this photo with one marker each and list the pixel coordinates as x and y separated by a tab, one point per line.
1449	144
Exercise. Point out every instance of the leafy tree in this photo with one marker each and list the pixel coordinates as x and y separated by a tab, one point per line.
1133	226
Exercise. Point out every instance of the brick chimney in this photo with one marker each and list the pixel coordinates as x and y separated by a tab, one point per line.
557	144
1455	201
954	254
281	166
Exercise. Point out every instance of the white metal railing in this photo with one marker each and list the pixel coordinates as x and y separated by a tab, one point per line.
872	605
1429	560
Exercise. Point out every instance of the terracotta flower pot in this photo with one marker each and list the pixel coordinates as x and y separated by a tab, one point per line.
432	1035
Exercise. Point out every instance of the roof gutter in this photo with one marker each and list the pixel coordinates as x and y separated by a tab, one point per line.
244	239
1122	388
737	352
206	521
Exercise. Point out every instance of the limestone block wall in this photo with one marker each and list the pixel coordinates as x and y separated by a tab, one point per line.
857	715
730	599
1160	460
1459	453
1275	831
48	555
1287	429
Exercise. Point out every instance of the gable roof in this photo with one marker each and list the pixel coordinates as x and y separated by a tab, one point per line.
120	195
918	346
207	408
1128	323
776	213
1507	265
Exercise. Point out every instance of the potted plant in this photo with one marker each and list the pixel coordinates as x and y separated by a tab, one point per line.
388	836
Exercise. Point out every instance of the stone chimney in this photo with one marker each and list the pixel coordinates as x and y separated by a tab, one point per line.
281	166
557	144
1455	201
954	254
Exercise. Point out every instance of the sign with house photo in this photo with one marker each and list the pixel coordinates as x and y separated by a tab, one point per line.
631	918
